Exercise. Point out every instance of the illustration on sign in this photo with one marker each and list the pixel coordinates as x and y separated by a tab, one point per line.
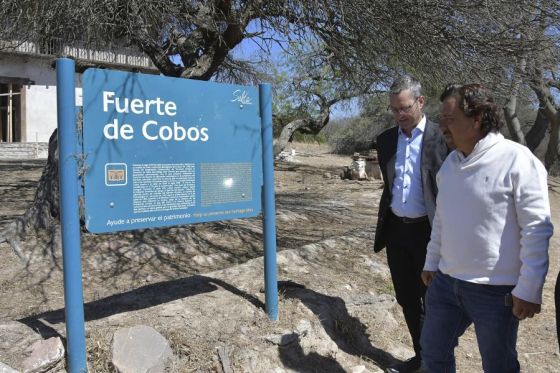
115	174
165	151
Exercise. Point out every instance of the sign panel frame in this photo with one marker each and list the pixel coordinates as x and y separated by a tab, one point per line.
163	151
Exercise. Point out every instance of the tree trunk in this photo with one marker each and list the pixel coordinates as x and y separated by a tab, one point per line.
510	114
308	126
549	110
537	132
512	120
287	133
551	155
43	211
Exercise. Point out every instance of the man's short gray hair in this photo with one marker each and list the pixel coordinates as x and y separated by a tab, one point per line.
405	82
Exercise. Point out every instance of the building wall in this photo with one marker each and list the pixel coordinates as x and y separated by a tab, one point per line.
36	69
35	76
39	109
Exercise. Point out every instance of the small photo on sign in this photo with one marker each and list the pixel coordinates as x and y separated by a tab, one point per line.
115	174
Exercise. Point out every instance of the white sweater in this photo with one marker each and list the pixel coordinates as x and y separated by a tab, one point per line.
492	222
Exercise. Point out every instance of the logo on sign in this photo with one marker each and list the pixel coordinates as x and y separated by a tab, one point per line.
242	97
115	174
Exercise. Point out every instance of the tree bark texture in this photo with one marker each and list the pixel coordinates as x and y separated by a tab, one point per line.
549	110
537	132
512	120
43	211
308	126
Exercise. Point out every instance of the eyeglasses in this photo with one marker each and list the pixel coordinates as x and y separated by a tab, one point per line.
403	110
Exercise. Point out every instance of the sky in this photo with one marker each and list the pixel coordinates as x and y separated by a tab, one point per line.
248	49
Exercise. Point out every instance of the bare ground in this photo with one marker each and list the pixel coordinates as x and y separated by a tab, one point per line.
201	286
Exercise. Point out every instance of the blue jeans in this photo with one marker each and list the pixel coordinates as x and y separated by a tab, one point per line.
451	306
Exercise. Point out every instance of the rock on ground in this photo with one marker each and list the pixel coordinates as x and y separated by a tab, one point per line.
139	349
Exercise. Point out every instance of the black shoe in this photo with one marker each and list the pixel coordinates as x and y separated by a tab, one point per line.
411	365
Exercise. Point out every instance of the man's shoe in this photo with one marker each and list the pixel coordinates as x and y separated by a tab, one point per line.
411	365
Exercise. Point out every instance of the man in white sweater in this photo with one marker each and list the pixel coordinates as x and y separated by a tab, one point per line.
488	255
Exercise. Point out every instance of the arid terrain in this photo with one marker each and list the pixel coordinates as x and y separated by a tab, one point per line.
201	286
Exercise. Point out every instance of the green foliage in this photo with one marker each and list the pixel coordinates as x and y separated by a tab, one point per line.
307	87
320	138
284	114
356	134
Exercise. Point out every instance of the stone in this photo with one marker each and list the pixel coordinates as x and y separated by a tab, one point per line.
15	339
6	369
303	327
287	155
358	369
45	354
283	339
139	349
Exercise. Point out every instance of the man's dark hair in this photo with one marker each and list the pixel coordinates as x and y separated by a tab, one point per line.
474	100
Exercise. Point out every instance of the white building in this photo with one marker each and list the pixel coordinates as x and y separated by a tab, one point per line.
28	83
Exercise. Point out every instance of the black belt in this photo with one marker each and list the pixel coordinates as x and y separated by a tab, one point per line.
407	220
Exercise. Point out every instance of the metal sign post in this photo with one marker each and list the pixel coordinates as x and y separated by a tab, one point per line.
69	215
269	209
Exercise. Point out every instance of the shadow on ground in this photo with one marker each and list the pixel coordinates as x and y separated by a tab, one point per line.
134	300
346	331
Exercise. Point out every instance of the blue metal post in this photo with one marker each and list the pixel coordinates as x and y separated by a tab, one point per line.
269	208
70	216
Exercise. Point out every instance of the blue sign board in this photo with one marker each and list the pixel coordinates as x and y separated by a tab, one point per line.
163	151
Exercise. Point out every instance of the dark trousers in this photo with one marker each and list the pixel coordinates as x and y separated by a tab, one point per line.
406	254
557	301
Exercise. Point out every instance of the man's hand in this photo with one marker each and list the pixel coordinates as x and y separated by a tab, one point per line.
427	277
523	309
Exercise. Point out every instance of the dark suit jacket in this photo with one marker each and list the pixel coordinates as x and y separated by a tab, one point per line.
434	151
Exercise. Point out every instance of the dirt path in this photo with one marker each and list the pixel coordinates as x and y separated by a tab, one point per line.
313	206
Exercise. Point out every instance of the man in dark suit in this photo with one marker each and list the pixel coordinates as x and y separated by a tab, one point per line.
410	155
